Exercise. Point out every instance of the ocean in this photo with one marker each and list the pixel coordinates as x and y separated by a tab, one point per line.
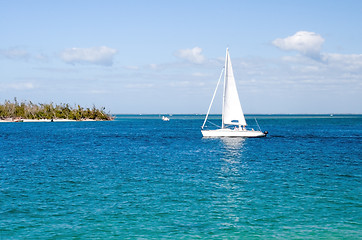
138	177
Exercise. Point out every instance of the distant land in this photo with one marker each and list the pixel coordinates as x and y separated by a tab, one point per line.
26	111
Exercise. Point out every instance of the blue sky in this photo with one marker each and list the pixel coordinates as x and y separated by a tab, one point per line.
166	56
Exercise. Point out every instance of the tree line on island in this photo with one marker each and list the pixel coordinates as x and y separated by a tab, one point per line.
29	110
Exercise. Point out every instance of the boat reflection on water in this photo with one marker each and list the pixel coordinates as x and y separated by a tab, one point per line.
233	146
233	150
232	174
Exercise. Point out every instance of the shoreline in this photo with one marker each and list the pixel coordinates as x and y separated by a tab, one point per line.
7	120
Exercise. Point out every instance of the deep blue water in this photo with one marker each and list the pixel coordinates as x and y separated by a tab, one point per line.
141	178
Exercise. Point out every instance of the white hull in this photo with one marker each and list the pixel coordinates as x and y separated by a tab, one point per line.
166	119
232	133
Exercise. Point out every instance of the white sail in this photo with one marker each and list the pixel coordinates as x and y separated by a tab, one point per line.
232	112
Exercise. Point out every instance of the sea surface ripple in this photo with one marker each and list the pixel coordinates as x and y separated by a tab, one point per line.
141	178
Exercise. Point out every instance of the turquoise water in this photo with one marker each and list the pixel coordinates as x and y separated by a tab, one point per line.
141	178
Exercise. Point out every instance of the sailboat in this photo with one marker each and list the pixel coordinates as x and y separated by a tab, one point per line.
165	119
233	120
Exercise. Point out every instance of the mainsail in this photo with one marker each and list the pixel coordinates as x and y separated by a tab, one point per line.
232	114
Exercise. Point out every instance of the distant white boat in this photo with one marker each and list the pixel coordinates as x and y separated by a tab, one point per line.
166	119
233	120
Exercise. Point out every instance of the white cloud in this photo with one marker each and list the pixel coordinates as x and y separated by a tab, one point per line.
331	63
307	43
140	85
132	67
198	74
192	55
97	91
17	86
96	55
15	54
153	66
41	57
348	62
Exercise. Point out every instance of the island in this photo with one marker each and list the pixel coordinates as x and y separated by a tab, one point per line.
26	111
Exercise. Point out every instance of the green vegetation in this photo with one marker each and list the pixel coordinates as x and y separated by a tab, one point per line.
29	110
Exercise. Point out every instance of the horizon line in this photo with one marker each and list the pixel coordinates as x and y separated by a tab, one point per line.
329	114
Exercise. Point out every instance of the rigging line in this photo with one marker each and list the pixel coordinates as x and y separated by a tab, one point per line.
214	124
212	100
257	124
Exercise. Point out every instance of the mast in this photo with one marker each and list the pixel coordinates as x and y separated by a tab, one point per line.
223	95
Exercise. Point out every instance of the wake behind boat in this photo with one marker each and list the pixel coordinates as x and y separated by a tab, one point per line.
233	120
